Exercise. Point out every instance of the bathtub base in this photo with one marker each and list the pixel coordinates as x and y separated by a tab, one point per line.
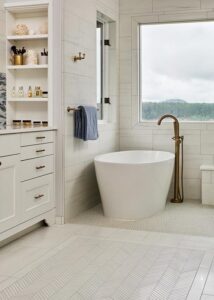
137	218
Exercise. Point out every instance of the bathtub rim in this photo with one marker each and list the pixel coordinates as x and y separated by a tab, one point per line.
98	158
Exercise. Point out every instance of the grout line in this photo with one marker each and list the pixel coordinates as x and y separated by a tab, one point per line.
211	265
194	287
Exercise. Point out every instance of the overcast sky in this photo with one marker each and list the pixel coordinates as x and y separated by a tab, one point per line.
178	62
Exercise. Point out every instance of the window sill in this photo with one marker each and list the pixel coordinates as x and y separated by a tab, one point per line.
167	124
170	121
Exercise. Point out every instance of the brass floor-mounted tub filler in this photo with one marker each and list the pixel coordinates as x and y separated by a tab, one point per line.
178	180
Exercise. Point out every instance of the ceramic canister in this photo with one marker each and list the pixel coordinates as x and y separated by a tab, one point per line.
43	59
43	29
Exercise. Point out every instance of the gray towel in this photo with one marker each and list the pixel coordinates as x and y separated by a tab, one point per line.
85	123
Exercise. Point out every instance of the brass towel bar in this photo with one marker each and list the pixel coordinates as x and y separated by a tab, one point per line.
69	109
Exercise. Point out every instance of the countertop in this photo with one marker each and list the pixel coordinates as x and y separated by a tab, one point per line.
10	130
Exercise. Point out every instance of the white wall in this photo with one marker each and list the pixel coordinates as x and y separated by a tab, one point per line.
79	35
2	37
199	137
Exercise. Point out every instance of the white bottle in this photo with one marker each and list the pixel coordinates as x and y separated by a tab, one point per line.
21	91
13	93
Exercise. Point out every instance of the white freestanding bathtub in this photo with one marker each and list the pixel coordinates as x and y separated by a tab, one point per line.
134	184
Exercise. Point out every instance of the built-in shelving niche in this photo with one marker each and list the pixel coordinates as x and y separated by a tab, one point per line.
34	15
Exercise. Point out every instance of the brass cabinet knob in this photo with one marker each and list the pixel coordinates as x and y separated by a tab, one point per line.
40	167
39	197
40	151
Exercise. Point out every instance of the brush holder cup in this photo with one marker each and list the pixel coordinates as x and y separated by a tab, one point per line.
17	59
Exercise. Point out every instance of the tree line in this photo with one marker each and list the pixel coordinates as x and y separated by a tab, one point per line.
183	111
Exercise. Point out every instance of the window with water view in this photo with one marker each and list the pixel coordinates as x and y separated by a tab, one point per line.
177	71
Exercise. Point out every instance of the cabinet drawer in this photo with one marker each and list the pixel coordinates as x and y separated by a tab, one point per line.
37	167
35	138
37	196
9	144
35	151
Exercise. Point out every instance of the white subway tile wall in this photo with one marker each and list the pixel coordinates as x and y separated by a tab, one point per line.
81	190
199	137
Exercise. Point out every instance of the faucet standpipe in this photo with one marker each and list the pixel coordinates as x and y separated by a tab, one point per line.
178	192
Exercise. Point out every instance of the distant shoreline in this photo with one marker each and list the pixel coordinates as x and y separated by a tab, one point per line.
182	110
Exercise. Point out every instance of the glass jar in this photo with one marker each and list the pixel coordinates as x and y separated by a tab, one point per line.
45	123
17	124
37	124
27	123
21	92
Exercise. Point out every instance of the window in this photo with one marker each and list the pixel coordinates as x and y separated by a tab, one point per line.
177	71
100	65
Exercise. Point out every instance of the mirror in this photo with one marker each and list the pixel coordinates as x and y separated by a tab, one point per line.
2	67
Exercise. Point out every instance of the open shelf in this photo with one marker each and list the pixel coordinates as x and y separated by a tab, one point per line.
27	100
27	67
37	16
27	37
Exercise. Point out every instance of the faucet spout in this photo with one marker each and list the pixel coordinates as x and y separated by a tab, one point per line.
167	116
176	124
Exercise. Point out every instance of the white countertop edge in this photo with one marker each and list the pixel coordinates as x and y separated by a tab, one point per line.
10	130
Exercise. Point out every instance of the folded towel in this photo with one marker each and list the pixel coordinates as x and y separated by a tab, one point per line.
85	123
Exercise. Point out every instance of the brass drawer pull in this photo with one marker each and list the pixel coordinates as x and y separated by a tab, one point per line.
40	167
41	137
39	197
40	151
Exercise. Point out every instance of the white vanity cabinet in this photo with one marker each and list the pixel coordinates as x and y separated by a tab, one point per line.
27	155
27	180
10	206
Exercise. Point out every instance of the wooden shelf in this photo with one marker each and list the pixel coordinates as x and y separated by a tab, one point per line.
27	100
27	37
27	67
